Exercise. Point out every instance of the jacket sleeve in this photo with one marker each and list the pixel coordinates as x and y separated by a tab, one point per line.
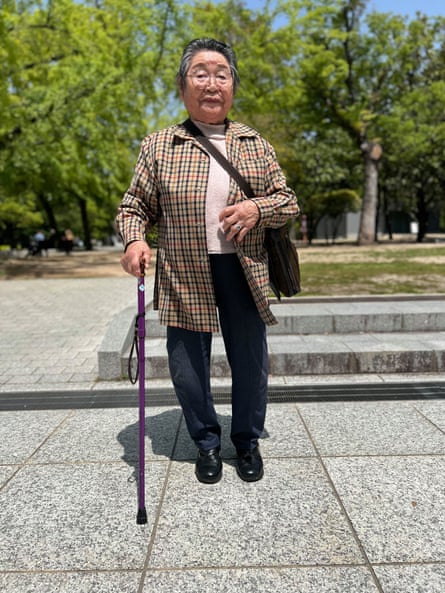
279	202
139	207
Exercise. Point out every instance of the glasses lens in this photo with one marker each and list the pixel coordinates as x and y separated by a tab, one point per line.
204	78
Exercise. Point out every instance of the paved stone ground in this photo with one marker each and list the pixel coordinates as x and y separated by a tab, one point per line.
51	329
352	499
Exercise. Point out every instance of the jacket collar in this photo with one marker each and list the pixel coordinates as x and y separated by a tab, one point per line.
232	127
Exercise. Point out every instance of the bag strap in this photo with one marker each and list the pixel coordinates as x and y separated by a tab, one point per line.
227	165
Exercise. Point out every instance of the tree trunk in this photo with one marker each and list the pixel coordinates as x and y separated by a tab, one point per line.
49	212
85	223
367	231
422	214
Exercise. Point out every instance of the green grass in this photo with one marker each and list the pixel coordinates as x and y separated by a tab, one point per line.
406	254
382	272
326	270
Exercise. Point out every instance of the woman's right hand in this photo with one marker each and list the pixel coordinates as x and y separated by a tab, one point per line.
136	258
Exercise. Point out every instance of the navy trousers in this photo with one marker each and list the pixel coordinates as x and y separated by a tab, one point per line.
244	335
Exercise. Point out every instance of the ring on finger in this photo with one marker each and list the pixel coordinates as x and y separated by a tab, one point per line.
238	227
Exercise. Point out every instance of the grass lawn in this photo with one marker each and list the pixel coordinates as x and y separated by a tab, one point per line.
326	270
380	269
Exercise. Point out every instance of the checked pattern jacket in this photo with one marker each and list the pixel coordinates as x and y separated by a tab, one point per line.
169	188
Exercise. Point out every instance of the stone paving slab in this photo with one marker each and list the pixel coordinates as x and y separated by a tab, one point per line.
360	511
78	439
70	582
52	329
75	517
22	433
264	580
413	578
434	412
373	428
396	505
290	517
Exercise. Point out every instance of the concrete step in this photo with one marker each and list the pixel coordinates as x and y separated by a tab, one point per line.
341	316
338	336
316	354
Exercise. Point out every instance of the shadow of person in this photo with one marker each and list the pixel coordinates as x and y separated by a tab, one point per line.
168	438
162	430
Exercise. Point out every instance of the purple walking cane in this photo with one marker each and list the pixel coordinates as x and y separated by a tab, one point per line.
139	347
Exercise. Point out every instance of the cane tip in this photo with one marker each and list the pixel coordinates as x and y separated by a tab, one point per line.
141	518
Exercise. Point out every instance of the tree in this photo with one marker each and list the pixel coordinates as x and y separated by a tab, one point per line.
79	84
268	94
333	68
415	168
325	175
332	87
352	69
17	217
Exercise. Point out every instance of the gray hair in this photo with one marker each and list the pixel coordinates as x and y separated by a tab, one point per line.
207	44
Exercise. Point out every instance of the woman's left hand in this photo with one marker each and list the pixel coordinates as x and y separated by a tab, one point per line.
239	219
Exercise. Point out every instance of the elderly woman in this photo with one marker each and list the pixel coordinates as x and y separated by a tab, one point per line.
211	265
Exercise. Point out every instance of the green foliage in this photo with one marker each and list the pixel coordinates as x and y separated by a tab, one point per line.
80	83
356	68
19	220
336	202
323	80
414	170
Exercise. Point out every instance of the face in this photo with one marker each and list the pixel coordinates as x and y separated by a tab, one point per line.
208	90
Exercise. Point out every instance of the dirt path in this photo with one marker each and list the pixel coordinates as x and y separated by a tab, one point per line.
80	264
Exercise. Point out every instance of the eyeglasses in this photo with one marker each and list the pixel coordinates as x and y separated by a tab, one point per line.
202	78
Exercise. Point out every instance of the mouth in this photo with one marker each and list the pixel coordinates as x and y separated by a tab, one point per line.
211	100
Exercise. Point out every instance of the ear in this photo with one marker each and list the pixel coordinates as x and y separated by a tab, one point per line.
180	85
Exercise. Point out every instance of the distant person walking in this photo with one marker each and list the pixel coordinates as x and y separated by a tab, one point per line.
67	241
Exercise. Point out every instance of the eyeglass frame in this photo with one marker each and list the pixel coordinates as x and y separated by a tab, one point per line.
208	76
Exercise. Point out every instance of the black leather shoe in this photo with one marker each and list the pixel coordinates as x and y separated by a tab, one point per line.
249	465
209	466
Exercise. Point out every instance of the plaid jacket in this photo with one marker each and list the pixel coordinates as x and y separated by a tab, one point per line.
169	188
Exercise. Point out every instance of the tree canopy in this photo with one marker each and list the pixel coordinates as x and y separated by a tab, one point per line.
80	84
352	100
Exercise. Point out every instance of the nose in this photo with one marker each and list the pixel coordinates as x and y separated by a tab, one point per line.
212	81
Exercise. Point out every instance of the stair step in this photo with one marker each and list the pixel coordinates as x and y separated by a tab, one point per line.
314	336
303	317
316	354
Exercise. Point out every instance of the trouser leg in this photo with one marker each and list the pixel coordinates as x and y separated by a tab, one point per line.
244	335
189	363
